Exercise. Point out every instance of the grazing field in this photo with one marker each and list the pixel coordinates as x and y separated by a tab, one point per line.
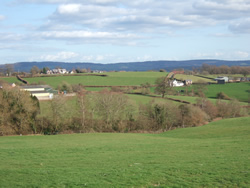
193	100
239	91
194	79
10	79
214	155
113	79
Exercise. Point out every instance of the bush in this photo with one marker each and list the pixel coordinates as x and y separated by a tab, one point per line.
222	95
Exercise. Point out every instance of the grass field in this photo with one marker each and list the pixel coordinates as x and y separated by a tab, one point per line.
194	79
214	155
239	91
113	79
193	100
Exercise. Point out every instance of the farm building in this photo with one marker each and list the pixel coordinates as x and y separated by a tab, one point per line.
221	79
188	82
41	92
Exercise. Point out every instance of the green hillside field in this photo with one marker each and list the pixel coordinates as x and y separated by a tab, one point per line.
112	79
239	91
214	155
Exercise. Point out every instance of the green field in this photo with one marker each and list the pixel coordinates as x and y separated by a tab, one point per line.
239	91
194	79
214	155
193	100
113	79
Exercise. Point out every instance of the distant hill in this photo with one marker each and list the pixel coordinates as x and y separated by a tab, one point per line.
130	66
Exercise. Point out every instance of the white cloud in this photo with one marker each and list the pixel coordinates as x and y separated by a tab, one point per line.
2	17
84	34
240	26
61	56
69	8
233	55
242	55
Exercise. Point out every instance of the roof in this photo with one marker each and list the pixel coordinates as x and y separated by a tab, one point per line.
35	86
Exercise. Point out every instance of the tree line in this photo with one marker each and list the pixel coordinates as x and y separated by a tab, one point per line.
104	111
213	69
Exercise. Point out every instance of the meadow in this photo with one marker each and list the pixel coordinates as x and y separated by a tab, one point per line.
214	155
239	91
112	79
194	78
193	100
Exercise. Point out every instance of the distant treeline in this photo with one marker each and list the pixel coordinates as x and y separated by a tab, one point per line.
213	69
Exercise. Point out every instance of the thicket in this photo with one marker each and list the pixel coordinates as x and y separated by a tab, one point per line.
213	69
105	111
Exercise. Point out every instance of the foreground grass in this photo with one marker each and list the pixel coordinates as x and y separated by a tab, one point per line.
215	155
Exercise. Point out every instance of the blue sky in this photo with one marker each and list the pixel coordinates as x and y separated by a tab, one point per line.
109	31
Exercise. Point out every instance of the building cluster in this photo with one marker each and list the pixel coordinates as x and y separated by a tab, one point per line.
59	71
225	79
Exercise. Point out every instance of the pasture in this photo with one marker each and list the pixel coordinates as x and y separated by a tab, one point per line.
214	155
112	79
194	78
239	91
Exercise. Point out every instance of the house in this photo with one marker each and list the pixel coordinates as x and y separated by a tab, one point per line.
188	82
220	81
57	71
176	83
245	79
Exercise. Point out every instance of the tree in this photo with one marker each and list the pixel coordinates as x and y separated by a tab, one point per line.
18	110
111	108
34	70
58	110
245	71
9	69
162	70
45	69
82	107
145	88
163	86
65	86
185	113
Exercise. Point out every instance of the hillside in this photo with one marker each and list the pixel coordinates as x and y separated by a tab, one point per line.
130	66
214	155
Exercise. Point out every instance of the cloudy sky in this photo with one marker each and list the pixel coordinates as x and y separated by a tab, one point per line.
108	31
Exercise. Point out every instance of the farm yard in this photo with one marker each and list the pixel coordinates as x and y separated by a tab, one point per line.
214	155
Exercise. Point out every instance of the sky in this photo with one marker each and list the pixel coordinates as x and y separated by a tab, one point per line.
111	31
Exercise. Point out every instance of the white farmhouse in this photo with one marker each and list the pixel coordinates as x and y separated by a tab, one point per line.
176	83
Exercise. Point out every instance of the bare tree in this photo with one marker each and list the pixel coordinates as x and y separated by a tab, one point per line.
163	86
9	69
34	70
82	107
111	108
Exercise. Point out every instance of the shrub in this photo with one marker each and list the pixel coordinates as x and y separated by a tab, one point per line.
222	95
